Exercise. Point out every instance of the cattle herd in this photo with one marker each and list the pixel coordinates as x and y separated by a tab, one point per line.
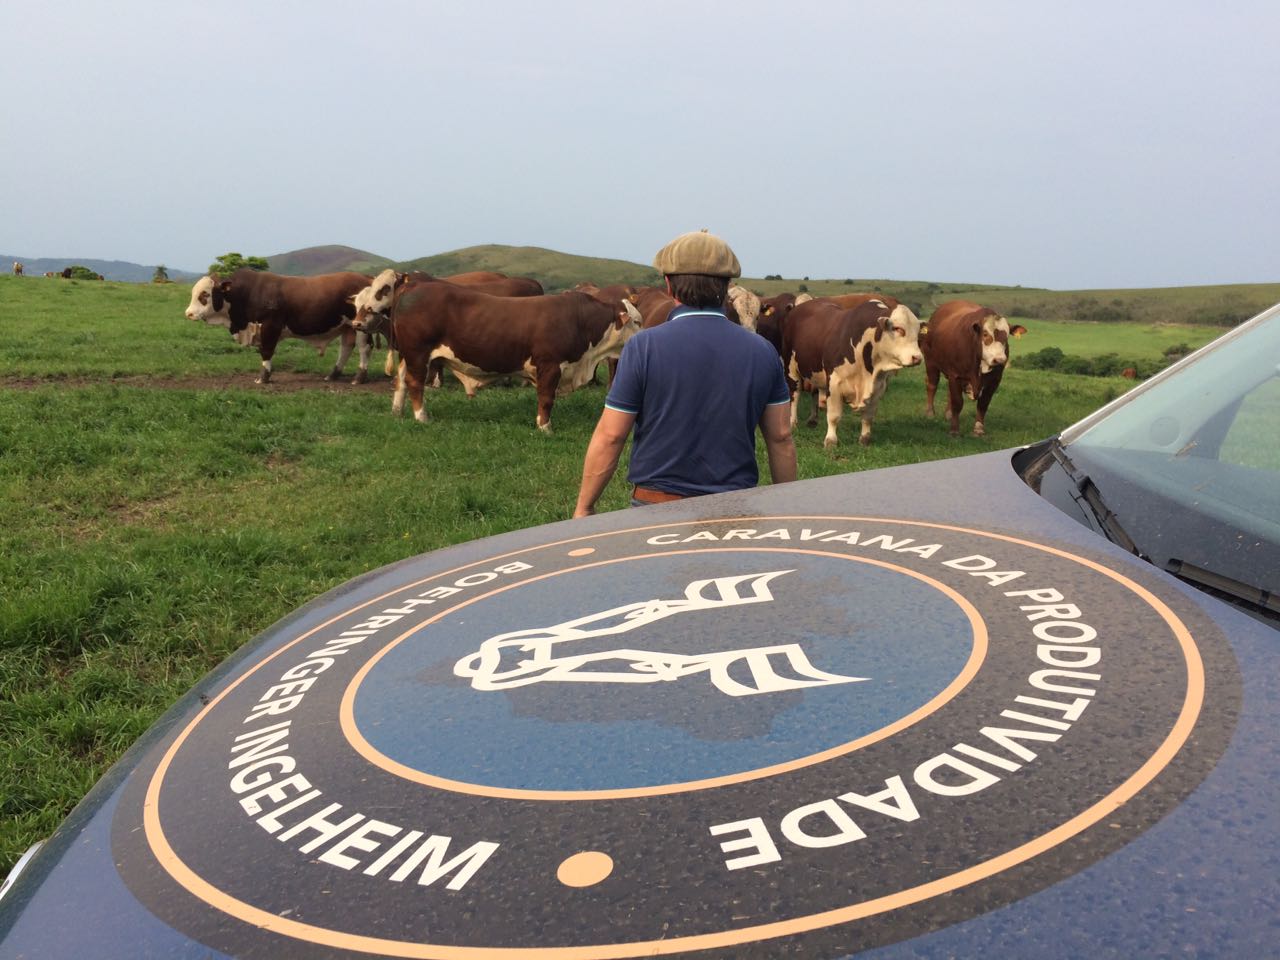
485	326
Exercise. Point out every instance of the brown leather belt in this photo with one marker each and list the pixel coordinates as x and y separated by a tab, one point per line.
650	495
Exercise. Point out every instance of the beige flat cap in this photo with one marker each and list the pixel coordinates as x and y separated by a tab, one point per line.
698	252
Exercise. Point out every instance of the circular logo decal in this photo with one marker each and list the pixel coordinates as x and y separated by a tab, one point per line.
716	736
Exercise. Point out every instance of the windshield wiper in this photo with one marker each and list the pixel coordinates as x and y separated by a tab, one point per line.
1087	495
1264	601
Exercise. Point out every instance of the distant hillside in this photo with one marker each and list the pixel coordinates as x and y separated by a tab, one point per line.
326	259
555	271
1223	305
119	270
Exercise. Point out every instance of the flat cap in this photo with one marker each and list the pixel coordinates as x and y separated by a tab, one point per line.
698	252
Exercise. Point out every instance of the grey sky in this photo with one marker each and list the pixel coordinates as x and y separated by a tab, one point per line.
1068	145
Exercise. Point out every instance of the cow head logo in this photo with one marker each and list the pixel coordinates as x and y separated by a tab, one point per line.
539	655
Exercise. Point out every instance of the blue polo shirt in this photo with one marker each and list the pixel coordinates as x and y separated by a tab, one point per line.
697	385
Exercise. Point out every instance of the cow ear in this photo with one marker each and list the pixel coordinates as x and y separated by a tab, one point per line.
401	280
768	311
924	330
1017	330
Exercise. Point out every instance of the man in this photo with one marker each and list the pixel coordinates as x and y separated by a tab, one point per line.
695	389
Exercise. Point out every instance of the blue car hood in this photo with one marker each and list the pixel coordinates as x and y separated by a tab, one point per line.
913	712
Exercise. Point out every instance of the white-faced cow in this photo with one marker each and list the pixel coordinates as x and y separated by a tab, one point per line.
553	341
373	304
315	309
850	353
969	345
18	269
746	305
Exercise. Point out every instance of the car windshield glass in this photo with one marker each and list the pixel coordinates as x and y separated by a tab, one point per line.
1190	461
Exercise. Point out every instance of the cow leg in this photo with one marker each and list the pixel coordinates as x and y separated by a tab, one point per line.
364	343
435	374
987	390
267	350
870	407
820	402
413	375
347	342
835	407
795	406
397	397
955	403
548	380
931	374
389	366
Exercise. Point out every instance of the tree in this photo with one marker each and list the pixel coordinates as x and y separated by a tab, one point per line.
79	272
229	263
161	275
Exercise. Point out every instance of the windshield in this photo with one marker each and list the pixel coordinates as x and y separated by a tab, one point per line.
1189	463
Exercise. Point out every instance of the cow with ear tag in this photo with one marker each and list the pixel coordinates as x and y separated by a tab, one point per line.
969	345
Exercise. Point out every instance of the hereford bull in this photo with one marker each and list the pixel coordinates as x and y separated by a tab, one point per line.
315	309
745	304
850	353
554	342
18	269
773	316
374	301
969	345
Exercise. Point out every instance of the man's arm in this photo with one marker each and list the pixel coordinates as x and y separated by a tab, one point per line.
775	425
602	457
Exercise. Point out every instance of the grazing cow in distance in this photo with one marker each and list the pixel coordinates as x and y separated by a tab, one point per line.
553	341
849	352
969	345
66	273
17	268
315	309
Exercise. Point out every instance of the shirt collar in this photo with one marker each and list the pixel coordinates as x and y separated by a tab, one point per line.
685	310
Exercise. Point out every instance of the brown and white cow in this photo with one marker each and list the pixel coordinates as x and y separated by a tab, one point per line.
745	304
850	353
18	268
773	316
373	303
969	345
315	309
554	341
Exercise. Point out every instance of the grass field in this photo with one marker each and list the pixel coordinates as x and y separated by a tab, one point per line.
158	510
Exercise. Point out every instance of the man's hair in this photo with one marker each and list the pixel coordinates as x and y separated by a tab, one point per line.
699	290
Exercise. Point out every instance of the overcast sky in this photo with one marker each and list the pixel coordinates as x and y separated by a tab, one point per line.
1068	145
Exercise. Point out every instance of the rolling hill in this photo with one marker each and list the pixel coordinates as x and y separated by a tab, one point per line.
333	258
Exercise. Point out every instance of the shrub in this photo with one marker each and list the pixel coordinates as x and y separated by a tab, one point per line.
804	287
1050	358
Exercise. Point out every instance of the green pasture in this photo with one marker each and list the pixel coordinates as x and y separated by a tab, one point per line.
1136	340
158	510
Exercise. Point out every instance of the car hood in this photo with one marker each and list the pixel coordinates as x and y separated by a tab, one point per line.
913	712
